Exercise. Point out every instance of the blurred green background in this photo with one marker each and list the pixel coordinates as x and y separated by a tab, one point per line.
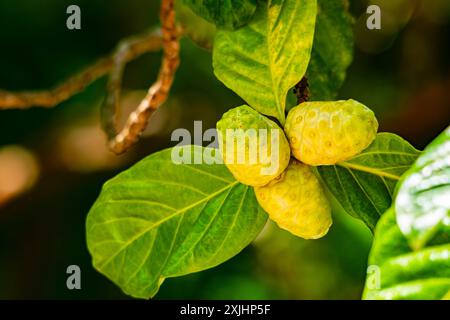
53	162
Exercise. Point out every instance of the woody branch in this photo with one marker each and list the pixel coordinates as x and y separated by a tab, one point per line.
156	95
137	46
114	65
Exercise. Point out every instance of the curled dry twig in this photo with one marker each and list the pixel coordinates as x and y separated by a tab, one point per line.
156	95
138	45
128	50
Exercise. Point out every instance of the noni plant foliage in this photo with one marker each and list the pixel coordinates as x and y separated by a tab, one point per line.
162	219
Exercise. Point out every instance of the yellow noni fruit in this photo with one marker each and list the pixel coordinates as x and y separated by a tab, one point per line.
296	202
253	147
325	133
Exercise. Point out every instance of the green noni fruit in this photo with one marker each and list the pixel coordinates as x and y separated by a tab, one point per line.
325	133
253	147
296	202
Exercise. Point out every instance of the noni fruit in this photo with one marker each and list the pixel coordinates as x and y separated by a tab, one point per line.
325	133
296	202
253	147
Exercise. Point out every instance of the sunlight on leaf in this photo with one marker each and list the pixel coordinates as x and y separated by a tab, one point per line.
403	273
364	185
423	201
159	220
262	61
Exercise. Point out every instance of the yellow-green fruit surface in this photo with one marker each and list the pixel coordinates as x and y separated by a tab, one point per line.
258	158
296	202
325	133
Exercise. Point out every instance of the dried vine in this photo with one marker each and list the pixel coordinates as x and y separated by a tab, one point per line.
156	95
128	50
137	46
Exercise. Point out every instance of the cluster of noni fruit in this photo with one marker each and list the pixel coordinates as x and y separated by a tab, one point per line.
315	133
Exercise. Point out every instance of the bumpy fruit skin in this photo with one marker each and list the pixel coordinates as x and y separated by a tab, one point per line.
325	133
264	158
296	202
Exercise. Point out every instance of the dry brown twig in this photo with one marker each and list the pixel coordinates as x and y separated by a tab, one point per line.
156	95
128	50
137	46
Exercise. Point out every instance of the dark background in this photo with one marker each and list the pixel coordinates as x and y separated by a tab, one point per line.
53	162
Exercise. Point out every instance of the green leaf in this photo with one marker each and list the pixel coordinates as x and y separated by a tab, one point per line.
332	51
401	273
160	219
228	14
423	200
364	185
420	270
197	29
262	61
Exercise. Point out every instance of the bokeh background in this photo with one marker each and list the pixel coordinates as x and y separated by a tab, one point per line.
53	162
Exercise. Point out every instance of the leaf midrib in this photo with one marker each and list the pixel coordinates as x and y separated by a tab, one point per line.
370	170
271	67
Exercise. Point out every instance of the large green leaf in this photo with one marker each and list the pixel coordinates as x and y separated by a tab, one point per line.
160	219
228	14
364	185
262	61
423	200
332	50
399	273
